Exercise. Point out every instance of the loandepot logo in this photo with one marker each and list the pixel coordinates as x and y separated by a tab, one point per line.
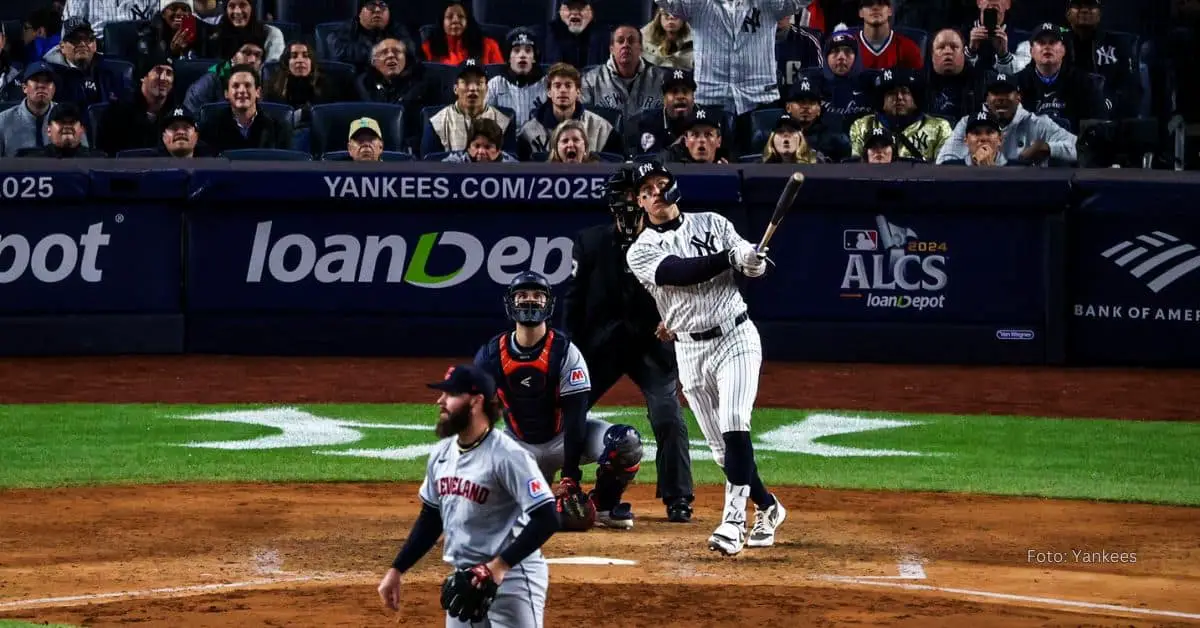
345	258
298	428
1161	259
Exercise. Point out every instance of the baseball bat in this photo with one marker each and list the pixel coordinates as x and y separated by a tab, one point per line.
782	207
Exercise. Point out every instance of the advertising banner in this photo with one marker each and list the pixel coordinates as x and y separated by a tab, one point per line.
89	259
453	262
37	185
965	268
1134	278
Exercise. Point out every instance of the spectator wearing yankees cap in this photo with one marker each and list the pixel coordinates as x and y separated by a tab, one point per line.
66	133
180	137
879	146
667	42
574	37
562	103
458	37
1051	87
701	142
450	128
786	145
822	131
841	82
1027	138
653	130
796	49
983	139
898	96
520	86
137	124
84	75
484	147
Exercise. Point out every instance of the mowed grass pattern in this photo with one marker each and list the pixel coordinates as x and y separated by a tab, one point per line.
58	445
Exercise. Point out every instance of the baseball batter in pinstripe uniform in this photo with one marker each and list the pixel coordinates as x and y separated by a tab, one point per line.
489	497
735	48
686	263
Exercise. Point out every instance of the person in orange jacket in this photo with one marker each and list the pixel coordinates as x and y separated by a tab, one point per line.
458	38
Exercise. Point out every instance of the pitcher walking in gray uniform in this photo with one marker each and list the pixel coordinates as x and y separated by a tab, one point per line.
489	497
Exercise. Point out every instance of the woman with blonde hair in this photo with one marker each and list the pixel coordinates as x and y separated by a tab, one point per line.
667	42
787	145
569	145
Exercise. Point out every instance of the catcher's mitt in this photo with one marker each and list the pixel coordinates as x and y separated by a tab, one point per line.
468	593
576	510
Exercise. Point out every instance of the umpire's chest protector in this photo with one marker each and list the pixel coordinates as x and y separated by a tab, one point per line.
528	385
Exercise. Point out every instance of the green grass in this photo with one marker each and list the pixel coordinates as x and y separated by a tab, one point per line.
60	445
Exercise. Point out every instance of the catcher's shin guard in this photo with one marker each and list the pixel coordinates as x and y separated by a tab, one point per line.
618	465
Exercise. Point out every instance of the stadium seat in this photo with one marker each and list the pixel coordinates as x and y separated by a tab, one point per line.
918	35
752	158
265	154
320	36
331	123
539	157
338	72
124	69
309	14
636	12
494	69
302	140
762	122
438	156
137	152
445	75
121	39
291	30
188	71
614	116
387	155
611	158
280	112
416	12
514	13
95	114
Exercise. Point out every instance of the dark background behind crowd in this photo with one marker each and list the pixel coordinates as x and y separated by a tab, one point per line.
1050	83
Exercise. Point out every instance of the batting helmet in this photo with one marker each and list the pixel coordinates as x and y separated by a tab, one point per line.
671	193
528	312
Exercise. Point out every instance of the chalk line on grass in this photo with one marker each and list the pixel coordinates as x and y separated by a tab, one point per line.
1028	599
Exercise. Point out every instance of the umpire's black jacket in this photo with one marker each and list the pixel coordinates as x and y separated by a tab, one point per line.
612	310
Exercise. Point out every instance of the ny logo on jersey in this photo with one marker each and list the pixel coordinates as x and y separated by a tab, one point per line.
921	140
707	246
753	22
1106	55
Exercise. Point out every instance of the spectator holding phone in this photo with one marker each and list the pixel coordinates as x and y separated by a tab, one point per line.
174	33
988	47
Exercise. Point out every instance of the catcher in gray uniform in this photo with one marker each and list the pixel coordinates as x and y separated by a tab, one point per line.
488	496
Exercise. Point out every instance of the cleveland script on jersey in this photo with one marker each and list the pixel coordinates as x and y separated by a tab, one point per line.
484	494
689	309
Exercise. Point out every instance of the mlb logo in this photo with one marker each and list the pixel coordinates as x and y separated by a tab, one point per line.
536	487
578	377
860	240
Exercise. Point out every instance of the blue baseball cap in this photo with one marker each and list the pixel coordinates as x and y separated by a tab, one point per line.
36	68
467	379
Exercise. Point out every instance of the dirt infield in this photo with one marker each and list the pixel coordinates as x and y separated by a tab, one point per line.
310	555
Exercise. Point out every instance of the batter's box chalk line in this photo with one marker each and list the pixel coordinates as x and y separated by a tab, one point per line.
590	560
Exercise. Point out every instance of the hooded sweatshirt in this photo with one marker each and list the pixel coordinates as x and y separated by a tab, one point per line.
1024	129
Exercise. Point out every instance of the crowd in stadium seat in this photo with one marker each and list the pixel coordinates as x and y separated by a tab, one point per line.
970	82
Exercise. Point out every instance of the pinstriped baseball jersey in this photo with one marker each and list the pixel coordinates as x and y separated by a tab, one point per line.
734	48
485	495
522	99
689	309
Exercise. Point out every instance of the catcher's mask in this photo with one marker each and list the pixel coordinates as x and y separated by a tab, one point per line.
619	192
527	311
670	193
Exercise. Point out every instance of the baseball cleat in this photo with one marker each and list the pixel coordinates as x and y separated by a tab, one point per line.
619	518
765	524
680	511
728	538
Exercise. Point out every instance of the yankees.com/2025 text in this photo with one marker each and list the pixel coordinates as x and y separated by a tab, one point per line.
494	188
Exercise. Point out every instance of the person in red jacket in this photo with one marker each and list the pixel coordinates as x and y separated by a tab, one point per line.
458	38
880	47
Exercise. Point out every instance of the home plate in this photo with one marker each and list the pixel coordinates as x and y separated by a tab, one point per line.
589	560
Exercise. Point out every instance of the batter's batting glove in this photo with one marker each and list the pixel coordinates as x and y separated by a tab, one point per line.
467	594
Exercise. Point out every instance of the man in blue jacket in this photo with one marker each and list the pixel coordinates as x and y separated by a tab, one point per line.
85	76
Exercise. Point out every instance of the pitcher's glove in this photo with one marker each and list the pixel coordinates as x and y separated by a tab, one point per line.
576	510
467	594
